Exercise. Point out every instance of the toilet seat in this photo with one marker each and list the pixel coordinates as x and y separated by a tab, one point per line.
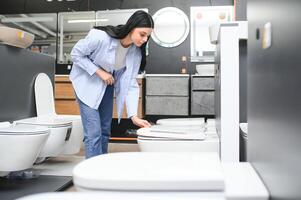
49	121
117	195
172	132
143	171
177	139
181	121
240	179
23	130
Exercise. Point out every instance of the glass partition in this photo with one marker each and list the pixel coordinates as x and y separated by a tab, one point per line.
42	25
72	26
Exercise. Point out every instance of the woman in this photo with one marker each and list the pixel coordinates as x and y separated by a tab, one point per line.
109	57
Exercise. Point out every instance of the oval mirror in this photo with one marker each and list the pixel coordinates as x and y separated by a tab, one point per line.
171	27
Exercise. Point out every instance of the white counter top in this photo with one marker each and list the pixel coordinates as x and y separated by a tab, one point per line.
67	75
170	75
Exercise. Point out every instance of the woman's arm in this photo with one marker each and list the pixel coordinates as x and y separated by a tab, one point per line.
132	100
82	49
105	76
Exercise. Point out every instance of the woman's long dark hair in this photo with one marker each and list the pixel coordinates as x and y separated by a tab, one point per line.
138	19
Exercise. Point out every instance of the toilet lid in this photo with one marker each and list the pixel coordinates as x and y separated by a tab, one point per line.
181	121
173	132
155	171
124	195
23	130
49	121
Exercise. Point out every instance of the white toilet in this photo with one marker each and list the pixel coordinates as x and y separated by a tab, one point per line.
179	135
157	176
161	138
45	106
60	131
20	146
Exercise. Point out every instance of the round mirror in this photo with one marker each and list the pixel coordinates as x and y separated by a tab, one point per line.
171	27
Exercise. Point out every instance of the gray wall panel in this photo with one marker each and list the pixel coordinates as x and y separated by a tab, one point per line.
274	100
243	81
18	69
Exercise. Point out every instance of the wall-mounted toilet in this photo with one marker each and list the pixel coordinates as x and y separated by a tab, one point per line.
20	146
60	131
160	138
179	135
45	106
157	176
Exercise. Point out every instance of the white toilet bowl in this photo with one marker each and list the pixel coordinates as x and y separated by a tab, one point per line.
160	138
45	106
59	133
73	145
20	146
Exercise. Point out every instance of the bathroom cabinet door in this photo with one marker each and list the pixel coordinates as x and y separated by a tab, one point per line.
202	83
162	105
202	95
202	103
175	86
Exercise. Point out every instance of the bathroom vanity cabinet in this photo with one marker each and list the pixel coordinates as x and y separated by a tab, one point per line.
140	112
167	94
65	101
202	95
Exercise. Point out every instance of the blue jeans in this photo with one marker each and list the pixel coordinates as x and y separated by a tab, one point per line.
97	124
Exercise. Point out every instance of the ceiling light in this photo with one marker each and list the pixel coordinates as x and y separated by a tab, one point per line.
87	20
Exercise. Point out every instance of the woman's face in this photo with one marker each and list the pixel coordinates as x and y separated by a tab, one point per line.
140	35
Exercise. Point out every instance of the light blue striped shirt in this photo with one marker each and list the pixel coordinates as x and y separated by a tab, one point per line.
97	50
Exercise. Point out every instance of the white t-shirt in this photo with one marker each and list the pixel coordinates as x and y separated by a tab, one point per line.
120	56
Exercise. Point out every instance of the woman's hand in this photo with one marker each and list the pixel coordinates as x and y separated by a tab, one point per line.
105	76
140	122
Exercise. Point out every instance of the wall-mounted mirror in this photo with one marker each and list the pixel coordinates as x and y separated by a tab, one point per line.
43	26
201	17
171	27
